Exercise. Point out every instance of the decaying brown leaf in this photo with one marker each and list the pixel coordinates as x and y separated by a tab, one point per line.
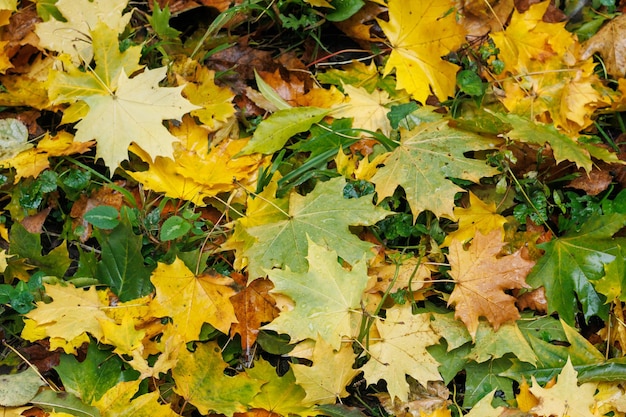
610	43
593	183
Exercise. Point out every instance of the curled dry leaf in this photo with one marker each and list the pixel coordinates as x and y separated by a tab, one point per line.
610	43
593	183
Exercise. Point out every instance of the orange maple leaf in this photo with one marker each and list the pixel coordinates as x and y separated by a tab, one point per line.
481	279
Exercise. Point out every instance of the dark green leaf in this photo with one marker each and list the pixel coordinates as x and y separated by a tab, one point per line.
174	227
343	9
103	217
91	378
122	265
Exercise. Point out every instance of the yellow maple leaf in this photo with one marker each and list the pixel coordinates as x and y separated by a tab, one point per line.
197	171
525	399
192	301
167	349
121	401
545	76
478	216
215	101
421	33
81	16
71	313
325	382
482	278
367	110
122	110
401	350
516	46
30	88
124	337
566	397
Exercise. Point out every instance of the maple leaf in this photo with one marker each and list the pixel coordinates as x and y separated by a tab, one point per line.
515	45
81	16
191	301
573	261
550	81
192	174
425	160
479	216
121	400
490	344
215	101
325	381
367	110
253	306
483	408
566	397
421	33
279	394
201	381
122	110
325	216
72	312
563	147
327	297
401	350
481	280
123	336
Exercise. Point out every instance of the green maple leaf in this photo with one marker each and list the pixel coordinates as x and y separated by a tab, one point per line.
92	377
613	283
491	344
425	161
279	394
563	147
327	298
325	216
121	110
572	262
201	381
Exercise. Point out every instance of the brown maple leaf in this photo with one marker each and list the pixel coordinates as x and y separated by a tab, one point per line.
482	278
253	306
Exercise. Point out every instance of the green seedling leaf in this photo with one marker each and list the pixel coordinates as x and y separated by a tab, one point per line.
174	227
18	389
343	9
64	402
339	410
122	265
103	217
273	132
160	22
470	83
91	378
